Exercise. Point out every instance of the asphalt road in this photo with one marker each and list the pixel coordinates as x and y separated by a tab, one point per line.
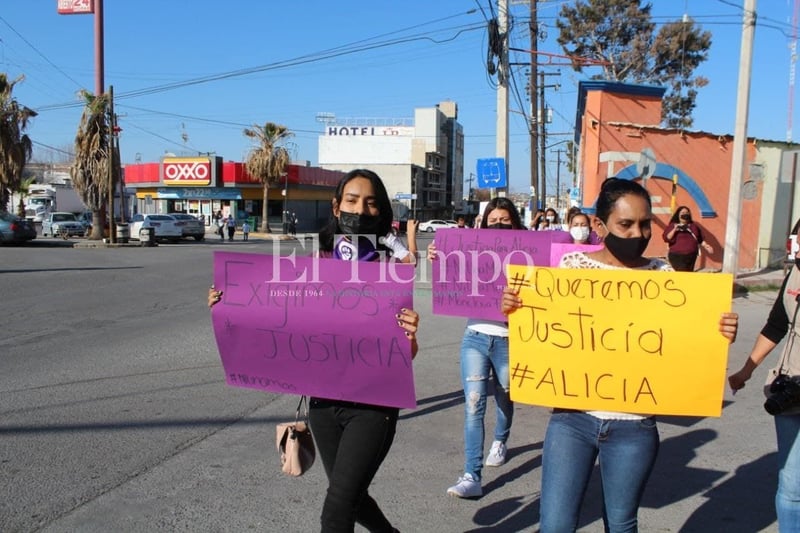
114	417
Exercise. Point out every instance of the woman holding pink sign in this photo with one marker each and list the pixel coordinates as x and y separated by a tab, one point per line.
484	358
625	444
353	438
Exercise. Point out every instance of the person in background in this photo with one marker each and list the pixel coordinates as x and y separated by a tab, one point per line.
353	438
782	319
484	366
245	230
221	226
399	251
684	238
537	220
580	229
626	444
231	224
293	223
551	220
461	223
574	210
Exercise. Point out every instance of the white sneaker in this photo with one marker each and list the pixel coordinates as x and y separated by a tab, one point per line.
466	487
497	454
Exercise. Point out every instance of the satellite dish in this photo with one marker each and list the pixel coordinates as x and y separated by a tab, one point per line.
646	166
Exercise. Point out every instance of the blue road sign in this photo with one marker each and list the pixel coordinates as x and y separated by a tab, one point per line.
492	173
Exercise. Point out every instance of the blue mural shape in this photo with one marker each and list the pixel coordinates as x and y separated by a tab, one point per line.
665	172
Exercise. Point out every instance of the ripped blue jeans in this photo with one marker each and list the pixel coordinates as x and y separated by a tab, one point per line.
483	357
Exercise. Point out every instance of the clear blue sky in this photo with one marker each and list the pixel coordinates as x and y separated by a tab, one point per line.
358	59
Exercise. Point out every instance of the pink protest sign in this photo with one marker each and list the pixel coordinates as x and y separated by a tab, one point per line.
321	327
469	272
558	249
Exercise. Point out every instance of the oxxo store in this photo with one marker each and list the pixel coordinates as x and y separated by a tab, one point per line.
205	185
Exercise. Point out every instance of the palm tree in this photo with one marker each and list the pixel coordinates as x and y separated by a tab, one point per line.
267	160
16	148
89	171
23	190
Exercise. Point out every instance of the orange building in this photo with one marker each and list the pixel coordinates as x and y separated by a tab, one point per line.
618	134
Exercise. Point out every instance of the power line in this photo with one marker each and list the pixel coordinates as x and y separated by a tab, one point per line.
330	53
18	34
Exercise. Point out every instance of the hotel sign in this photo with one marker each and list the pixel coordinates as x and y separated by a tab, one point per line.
370	131
186	171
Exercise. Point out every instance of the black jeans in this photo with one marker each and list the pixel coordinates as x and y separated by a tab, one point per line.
682	262
352	440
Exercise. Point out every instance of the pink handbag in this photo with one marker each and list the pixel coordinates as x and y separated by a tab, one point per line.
295	443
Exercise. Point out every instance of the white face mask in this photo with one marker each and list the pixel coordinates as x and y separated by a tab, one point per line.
579	233
550	218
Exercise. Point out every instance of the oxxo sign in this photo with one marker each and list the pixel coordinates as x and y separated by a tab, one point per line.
186	171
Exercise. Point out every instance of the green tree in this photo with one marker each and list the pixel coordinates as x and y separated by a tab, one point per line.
268	159
621	36
16	148
23	190
89	171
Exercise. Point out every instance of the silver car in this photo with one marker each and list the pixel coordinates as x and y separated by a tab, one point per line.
62	225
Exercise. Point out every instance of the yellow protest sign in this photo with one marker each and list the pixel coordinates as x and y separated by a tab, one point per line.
632	341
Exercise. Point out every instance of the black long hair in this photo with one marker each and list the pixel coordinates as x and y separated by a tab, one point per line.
385	215
612	190
502	203
675	217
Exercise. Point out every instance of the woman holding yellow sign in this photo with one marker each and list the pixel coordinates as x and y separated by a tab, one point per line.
625	444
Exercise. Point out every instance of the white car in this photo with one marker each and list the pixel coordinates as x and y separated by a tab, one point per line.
432	225
166	227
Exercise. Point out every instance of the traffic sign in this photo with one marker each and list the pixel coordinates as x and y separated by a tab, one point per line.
492	173
405	196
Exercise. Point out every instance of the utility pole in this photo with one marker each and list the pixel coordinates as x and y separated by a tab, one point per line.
533	127
542	141
469	181
112	236
730	261
558	177
502	87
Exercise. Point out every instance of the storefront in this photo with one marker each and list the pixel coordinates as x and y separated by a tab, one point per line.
205	185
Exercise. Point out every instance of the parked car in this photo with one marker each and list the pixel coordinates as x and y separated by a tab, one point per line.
190	226
62	224
15	230
85	218
166	227
432	225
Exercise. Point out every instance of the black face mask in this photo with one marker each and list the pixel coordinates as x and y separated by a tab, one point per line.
686	218
353	224
628	250
500	225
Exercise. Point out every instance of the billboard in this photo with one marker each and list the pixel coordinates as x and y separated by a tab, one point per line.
75	7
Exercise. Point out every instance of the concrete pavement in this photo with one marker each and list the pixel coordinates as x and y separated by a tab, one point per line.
713	474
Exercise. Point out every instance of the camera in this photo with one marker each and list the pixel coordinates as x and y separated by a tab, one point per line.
784	393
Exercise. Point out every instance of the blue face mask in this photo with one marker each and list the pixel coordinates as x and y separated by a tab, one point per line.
362	250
